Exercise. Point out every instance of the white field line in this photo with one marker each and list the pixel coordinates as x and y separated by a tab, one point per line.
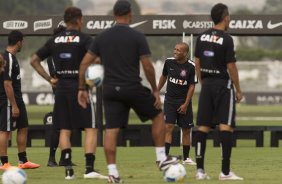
260	118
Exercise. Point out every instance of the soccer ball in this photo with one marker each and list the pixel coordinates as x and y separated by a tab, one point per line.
14	175
94	75
175	173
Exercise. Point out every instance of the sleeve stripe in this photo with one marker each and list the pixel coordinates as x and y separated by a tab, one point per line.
10	64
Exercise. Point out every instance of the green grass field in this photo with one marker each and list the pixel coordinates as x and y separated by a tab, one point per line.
137	164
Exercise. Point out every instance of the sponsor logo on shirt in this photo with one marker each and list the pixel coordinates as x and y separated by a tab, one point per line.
246	24
178	81
42	24
65	55
164	24
67	39
208	53
15	24
212	38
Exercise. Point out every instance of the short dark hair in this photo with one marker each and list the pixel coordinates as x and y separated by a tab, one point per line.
122	7
72	14
218	12
15	36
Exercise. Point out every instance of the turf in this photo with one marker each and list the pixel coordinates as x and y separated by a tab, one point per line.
137	165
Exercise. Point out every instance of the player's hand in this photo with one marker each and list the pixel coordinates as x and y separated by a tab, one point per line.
157	103
182	109
239	96
53	82
83	98
15	111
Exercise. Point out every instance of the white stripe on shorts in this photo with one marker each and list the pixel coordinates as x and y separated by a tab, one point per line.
8	117
230	107
92	109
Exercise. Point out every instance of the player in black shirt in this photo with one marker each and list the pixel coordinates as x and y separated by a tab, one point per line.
13	113
67	50
179	73
217	71
122	50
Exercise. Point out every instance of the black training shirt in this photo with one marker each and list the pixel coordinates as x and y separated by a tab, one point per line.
215	49
11	73
120	48
179	78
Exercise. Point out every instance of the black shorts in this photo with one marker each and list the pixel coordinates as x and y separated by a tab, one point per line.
216	106
118	101
7	122
172	116
68	114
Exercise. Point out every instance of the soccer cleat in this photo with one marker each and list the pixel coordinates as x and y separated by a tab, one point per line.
52	163
112	179
230	176
164	165
94	175
188	161
69	174
5	166
200	175
28	165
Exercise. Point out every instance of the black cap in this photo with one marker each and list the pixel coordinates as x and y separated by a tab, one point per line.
122	7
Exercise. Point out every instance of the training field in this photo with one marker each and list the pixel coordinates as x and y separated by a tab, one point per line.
137	164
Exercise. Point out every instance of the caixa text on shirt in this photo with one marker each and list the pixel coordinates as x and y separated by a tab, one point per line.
178	81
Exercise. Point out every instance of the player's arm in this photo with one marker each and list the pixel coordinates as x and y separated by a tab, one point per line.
11	97
151	77
82	96
162	82
198	68
183	108
35	63
233	72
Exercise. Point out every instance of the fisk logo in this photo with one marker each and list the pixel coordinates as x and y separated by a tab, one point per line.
15	24
42	24
164	24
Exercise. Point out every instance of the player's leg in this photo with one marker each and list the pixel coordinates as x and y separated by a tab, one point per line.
4	134
226	116
22	124
204	120
168	137
53	147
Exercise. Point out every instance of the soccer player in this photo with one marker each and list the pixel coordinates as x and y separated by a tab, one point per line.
55	132
122	50
67	50
13	113
179	73
217	71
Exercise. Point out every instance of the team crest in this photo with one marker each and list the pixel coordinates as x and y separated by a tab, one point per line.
183	73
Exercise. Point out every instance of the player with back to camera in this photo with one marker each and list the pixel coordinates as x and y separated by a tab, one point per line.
122	50
67	50
13	113
217	71
179	73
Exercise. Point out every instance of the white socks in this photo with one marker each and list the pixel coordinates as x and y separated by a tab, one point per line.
112	169
160	153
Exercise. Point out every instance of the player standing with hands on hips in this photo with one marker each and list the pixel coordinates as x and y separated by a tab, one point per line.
67	49
122	50
218	74
179	73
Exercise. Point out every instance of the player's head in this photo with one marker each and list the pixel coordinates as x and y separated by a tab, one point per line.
181	51
2	63
220	14
73	16
59	29
122	8
15	38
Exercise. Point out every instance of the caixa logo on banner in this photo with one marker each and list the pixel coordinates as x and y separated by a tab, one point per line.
15	24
